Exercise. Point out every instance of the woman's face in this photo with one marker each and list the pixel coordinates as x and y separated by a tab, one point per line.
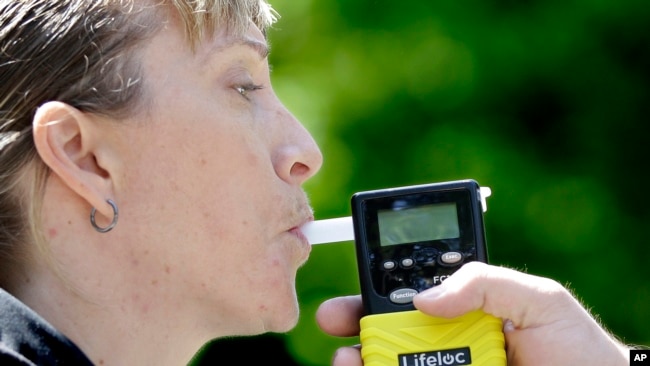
211	188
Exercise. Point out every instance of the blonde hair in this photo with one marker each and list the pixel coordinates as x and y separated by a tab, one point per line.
80	52
204	16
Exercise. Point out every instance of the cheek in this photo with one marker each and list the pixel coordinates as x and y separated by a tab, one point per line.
270	267
253	160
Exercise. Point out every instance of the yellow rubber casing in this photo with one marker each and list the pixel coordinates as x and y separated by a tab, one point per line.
412	338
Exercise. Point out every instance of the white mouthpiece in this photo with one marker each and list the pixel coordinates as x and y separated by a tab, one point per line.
329	231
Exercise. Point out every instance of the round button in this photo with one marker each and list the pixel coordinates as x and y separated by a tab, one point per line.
389	265
451	257
407	262
402	295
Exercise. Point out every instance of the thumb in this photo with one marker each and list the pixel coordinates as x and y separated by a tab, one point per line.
524	299
543	319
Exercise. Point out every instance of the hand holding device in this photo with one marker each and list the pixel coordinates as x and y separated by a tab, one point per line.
547	325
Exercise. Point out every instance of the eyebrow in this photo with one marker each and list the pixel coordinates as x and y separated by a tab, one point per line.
262	48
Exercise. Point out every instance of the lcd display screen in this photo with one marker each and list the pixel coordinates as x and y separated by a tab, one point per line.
417	224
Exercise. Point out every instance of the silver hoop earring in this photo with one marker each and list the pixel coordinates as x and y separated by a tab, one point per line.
111	225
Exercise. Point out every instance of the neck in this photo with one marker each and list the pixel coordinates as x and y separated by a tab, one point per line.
110	323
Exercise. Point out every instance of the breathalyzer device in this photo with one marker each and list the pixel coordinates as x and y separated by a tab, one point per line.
409	239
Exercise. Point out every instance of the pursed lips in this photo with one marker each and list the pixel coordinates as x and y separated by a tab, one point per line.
297	232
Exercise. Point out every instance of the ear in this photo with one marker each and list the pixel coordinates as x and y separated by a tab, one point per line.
66	140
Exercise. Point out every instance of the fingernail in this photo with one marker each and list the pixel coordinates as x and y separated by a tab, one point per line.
336	353
508	326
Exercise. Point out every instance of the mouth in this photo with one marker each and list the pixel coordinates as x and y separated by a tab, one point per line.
304	242
298	233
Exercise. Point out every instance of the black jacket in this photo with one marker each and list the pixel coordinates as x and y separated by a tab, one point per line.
27	339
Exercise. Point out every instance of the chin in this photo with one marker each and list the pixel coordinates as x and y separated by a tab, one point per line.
284	320
279	310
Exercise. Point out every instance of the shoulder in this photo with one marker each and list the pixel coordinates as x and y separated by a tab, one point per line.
27	339
10	357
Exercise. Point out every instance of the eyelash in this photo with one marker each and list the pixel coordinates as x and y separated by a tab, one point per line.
245	89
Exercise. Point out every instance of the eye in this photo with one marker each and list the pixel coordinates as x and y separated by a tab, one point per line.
246	89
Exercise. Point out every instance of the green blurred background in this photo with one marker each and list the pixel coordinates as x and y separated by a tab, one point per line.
546	102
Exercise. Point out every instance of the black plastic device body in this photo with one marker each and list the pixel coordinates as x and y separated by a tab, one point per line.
412	238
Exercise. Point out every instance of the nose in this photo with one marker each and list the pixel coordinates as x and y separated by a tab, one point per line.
297	157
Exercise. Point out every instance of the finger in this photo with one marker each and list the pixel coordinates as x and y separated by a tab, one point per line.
502	292
347	356
340	316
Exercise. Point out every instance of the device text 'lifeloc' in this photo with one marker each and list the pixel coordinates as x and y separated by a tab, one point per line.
450	357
